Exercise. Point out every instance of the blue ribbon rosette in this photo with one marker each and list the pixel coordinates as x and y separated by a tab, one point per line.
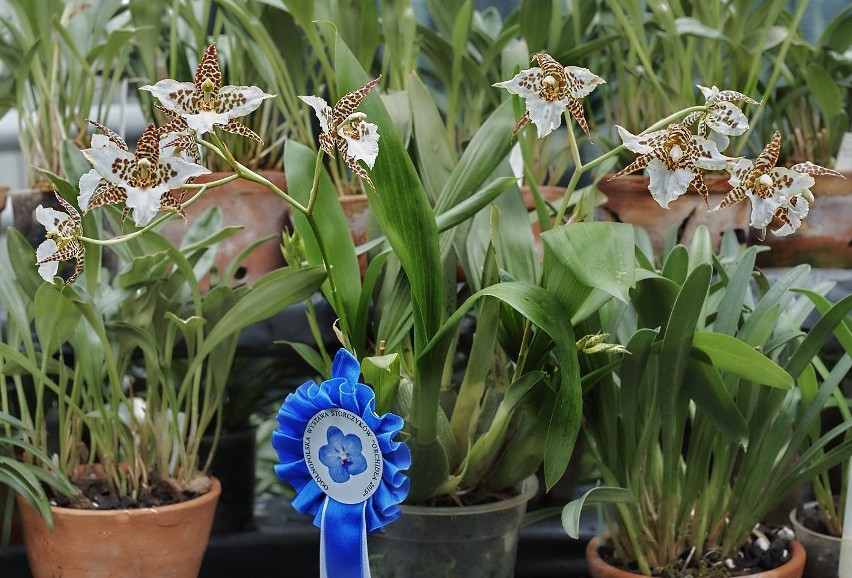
341	459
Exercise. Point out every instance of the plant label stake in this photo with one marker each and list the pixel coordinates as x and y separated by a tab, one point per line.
341	459
844	569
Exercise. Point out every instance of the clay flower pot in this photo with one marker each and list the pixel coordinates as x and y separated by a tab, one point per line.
629	201
244	204
600	569
166	542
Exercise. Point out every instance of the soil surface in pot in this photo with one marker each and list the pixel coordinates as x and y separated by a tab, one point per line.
812	519
95	495
754	557
475	497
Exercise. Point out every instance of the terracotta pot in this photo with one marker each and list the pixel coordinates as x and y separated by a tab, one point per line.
825	237
600	569
357	211
166	542
629	201
244	204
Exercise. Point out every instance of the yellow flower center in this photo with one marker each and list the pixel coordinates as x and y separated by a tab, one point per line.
765	180
144	166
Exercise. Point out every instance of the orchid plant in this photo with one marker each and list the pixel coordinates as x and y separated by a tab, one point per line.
129	400
692	368
488	437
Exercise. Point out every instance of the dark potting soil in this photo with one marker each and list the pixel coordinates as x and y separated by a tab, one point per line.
754	557
95	494
812	519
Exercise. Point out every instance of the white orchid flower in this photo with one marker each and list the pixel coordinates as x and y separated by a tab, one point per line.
62	242
780	197
141	180
548	90
347	130
674	158
722	119
205	104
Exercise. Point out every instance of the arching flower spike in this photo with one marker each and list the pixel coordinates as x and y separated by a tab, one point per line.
723	119
205	103
62	242
674	158
347	130
779	196
548	90
141	180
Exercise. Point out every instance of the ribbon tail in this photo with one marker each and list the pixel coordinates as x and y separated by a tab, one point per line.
343	540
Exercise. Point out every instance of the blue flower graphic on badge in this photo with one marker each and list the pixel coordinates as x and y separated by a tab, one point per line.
342	455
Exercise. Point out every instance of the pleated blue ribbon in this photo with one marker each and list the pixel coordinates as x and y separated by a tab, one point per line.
342	460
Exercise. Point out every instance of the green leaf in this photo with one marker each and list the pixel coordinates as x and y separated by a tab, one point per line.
843	331
730	354
818	335
581	256
272	293
55	318
382	372
486	150
600	495
401	207
824	89
434	154
22	258
712	398
676	267
486	449
680	331
329	227
546	312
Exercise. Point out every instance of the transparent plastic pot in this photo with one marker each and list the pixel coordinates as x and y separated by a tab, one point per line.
823	550
470	541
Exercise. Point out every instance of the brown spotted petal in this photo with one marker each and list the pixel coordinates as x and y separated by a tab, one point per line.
722	117
350	102
109	134
208	75
790	215
809	168
740	173
238	128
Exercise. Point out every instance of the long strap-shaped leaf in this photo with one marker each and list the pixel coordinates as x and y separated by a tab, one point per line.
401	207
545	311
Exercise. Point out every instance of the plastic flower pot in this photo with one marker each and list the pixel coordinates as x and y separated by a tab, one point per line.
465	541
823	550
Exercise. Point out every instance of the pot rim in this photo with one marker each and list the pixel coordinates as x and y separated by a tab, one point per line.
798	527
797	557
212	495
528	489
